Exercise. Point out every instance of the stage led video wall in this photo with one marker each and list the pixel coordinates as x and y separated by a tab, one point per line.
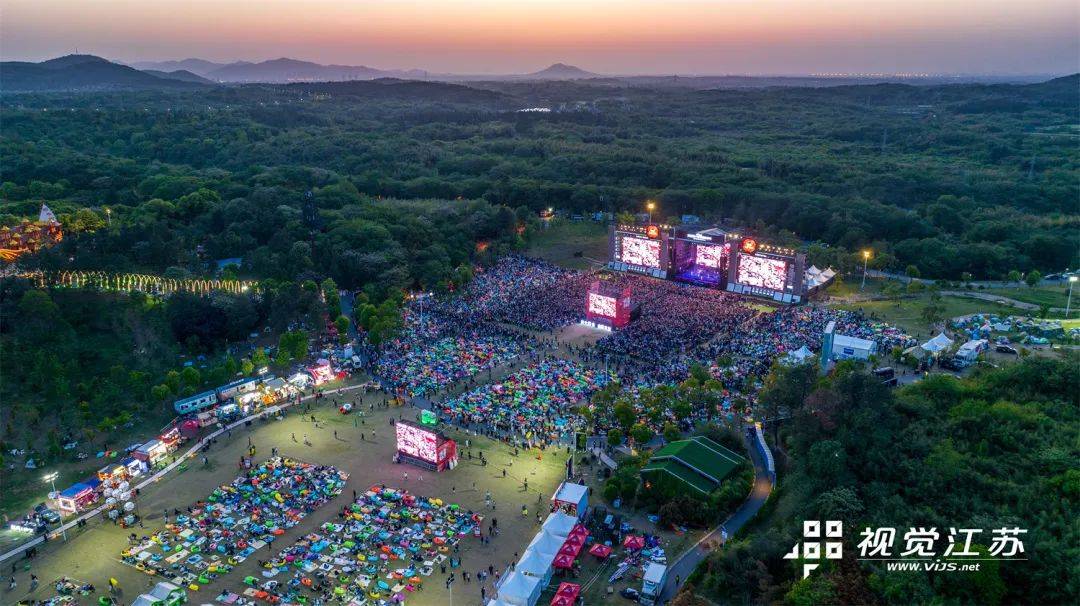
601	305
762	272
417	442
639	251
711	255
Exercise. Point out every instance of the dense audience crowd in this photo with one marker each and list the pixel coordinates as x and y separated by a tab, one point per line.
534	404
677	327
524	292
433	352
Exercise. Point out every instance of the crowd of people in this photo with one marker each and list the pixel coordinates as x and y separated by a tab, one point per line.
522	291
676	327
430	355
533	404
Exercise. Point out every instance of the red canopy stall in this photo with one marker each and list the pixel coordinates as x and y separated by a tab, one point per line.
566	594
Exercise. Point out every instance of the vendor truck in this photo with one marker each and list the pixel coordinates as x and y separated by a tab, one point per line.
652	584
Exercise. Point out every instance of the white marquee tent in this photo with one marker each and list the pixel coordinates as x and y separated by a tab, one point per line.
537	565
546	544
559	524
520	590
938	344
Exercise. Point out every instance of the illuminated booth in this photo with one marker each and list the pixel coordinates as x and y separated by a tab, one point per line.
321	372
608	305
76	498
425	446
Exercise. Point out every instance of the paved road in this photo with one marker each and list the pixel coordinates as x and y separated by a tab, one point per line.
690	559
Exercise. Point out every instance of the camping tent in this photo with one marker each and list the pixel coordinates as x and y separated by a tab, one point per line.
546	544
520	590
938	344
169	593
559	524
798	356
535	565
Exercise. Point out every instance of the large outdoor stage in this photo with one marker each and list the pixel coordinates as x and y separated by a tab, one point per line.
715	258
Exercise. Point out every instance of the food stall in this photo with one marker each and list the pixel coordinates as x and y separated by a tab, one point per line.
171	437
76	498
152	452
111	472
322	371
134	467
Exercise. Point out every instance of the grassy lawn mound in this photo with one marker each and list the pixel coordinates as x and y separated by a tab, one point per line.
699	462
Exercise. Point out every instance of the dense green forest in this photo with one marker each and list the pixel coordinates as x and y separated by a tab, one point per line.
964	178
994	450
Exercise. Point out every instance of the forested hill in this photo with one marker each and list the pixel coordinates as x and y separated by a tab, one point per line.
87	73
994	450
395	89
966	178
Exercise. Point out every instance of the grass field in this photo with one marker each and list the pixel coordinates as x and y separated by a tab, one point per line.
561	240
907	313
91	553
1051	296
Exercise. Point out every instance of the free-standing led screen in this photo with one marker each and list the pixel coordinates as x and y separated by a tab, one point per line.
762	272
710	255
639	251
418	443
602	306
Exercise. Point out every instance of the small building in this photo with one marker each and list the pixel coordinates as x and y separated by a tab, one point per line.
852	348
699	463
572	499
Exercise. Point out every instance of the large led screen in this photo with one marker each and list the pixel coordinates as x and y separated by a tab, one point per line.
762	272
601	305
639	251
416	442
710	255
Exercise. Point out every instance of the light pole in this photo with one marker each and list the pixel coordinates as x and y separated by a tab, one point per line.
1068	303
650	205
865	260
51	479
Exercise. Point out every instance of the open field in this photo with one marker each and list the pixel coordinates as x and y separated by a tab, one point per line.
92	554
562	239
907	313
1050	296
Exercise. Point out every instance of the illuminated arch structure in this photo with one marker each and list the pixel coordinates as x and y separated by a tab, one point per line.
126	282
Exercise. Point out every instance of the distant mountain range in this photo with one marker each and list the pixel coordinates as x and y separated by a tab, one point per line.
292	70
87	72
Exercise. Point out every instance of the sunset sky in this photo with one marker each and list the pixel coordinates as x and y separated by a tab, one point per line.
606	36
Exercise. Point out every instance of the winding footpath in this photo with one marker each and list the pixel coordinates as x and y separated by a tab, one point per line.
691	558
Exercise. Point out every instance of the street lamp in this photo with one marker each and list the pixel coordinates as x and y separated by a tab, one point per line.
51	479
1068	304
865	260
650	205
